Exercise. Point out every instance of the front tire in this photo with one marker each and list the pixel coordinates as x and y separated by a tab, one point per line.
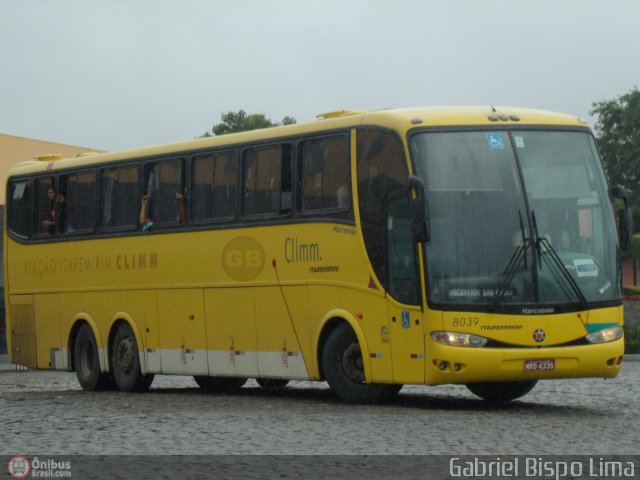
125	362
343	367
87	361
501	391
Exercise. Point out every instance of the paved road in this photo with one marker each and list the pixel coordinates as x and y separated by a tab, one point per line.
46	413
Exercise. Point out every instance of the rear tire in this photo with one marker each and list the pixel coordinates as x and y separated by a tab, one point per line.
125	362
501	391
87	361
343	367
219	384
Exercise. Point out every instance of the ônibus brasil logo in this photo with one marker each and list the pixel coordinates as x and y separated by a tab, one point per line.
21	467
18	467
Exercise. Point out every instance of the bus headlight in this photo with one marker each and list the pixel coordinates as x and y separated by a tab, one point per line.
607	335
458	339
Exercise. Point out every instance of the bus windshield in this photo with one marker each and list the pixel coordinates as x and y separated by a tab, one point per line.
519	218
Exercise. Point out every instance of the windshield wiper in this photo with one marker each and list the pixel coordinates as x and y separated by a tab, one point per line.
557	262
510	271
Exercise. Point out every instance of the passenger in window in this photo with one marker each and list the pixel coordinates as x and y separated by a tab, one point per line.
145	219
49	223
182	211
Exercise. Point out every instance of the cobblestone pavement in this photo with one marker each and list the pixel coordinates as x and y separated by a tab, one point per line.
46	413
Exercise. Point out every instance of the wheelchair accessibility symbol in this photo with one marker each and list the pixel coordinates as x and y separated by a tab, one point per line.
406	320
495	142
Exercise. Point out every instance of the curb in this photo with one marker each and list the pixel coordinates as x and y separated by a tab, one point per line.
5	365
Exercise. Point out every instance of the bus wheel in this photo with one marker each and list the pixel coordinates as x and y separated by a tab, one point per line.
501	391
219	384
344	369
272	382
125	361
87	362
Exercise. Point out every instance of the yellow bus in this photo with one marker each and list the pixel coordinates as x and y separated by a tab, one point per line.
473	246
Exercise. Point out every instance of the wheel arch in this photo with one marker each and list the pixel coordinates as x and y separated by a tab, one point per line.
330	322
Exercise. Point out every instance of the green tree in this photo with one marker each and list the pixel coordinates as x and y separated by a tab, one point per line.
618	138
241	121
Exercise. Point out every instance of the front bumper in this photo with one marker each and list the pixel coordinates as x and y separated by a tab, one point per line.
448	364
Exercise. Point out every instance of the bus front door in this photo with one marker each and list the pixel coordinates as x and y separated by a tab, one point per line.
407	343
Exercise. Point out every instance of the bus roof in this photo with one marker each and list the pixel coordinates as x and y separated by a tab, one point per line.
401	120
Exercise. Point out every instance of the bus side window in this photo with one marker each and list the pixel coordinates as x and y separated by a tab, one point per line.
80	194
119	197
19	211
382	170
47	210
325	174
214	187
163	192
267	180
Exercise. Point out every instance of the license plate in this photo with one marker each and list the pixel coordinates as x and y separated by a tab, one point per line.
537	365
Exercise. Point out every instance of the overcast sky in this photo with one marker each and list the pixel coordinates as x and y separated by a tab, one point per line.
125	73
